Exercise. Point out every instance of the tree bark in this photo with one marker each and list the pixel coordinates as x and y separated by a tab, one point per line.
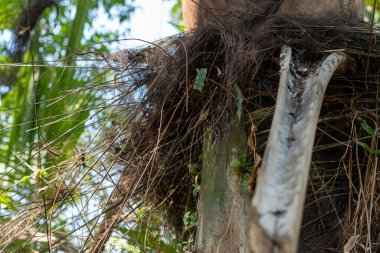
223	207
232	13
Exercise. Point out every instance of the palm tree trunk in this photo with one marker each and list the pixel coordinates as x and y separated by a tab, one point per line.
223	207
231	14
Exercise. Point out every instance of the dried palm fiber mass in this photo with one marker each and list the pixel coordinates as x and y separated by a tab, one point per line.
158	139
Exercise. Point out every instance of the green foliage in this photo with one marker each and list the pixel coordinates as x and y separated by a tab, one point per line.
371	132
122	243
371	3
141	211
368	128
148	235
196	186
238	163
12	10
370	13
177	15
42	105
200	79
4	199
189	220
368	148
186	245
48	110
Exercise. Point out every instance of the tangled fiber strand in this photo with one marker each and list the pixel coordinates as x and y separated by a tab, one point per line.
164	139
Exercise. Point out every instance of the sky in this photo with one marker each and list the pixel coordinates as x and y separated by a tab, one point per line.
150	21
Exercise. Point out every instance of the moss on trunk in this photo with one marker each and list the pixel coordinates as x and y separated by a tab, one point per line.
222	211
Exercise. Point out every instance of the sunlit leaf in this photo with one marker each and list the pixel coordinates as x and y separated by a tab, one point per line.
124	244
235	164
25	179
141	211
4	199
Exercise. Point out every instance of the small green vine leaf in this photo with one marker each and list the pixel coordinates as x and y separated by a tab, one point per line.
238	163
200	79
367	147
367	128
189	219
235	164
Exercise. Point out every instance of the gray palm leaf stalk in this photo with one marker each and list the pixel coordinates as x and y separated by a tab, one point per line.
278	202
